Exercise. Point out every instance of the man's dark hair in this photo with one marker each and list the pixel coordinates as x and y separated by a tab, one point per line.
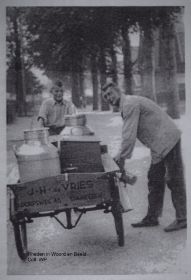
58	83
108	85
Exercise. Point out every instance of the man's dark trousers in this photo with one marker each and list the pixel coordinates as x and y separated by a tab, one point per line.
169	171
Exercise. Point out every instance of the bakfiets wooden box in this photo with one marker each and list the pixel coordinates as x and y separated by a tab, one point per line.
79	148
81	153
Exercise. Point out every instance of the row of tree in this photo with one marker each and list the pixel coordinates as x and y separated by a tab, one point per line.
67	42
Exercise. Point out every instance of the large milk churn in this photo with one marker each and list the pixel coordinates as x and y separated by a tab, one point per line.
37	158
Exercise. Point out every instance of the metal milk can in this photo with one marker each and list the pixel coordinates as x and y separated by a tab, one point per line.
37	158
76	125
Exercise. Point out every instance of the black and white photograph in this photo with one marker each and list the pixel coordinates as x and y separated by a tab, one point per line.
96	116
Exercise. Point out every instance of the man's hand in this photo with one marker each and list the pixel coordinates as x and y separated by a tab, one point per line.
40	122
120	162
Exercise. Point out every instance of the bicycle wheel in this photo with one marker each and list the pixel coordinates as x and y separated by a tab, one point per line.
118	219
20	233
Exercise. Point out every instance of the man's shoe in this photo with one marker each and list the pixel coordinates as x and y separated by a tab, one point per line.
176	225
146	223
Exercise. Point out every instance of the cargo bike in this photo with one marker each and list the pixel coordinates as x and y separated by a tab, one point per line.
74	190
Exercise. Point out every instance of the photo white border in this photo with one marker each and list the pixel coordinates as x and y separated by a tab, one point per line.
3	195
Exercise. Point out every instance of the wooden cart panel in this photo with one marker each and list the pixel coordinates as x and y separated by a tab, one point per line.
62	191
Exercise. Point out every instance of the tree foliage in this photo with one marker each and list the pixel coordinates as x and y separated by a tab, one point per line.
20	79
71	40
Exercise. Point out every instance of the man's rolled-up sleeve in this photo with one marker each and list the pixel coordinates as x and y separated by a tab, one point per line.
129	131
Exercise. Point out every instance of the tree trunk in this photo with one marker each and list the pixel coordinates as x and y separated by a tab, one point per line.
114	65
81	88
94	75
148	64
75	84
170	71
103	78
127	61
19	65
